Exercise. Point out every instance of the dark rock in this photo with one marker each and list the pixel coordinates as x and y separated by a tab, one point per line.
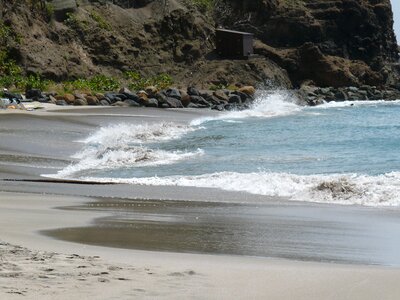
340	95
221	95
131	96
325	91
43	99
61	103
120	104
363	95
33	94
131	103
122	96
230	106
152	102
206	94
192	91
143	101
353	89
125	90
104	102
107	99
173	93
219	107
378	95
214	100
161	97
80	102
200	101
151	91
315	102
79	96
235	99
366	88
164	105
192	105
92	100
174	103
13	97
142	95
329	97
99	96
113	97
242	95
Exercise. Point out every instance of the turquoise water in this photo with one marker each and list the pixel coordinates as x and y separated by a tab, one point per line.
341	152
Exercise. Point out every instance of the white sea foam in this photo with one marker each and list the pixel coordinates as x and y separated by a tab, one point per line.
122	146
350	189
142	133
267	104
122	157
340	104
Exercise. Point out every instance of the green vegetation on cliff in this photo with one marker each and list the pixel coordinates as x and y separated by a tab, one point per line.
330	43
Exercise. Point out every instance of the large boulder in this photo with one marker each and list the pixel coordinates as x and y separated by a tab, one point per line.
174	103
69	98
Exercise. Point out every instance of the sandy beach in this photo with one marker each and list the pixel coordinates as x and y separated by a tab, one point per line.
39	263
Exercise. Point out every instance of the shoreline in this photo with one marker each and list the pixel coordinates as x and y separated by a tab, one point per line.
27	208
78	270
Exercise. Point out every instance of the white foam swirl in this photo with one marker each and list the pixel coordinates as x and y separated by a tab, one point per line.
142	133
122	157
122	146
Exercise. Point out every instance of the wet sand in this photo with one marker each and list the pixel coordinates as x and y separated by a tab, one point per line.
192	221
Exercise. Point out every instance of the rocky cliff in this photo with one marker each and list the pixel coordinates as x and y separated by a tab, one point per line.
328	42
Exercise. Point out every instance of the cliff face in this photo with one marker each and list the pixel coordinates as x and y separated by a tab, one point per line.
331	42
322	36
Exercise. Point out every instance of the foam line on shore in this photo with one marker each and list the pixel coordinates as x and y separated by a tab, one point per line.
347	189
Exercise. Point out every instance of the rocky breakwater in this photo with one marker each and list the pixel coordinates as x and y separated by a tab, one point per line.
239	99
312	95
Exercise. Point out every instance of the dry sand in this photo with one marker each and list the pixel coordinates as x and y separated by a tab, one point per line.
33	266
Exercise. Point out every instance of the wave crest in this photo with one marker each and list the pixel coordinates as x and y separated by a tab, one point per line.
267	104
122	146
142	133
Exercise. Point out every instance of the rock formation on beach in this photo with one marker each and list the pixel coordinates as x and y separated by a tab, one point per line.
328	43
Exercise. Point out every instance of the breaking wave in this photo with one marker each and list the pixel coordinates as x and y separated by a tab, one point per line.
142	133
268	104
123	157
350	189
131	146
122	146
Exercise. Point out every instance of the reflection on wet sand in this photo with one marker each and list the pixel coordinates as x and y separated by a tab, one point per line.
302	232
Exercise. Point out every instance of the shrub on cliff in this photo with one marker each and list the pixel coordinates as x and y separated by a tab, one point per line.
138	82
98	83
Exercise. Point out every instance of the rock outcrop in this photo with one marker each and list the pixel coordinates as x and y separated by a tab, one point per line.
329	42
352	40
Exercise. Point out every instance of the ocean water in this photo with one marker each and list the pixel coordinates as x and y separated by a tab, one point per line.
339	152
